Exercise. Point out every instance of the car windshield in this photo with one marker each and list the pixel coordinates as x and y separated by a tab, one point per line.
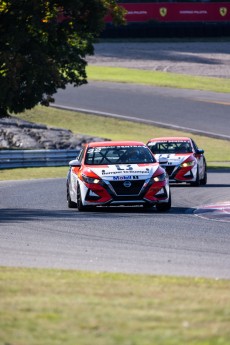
170	147
118	155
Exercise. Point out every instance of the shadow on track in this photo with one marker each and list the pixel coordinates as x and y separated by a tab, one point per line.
16	215
208	185
23	215
213	185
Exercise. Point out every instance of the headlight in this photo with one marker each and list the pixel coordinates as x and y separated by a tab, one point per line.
88	179
187	164
159	178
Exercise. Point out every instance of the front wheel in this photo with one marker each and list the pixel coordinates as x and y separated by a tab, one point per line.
80	205
70	203
164	207
197	182
203	181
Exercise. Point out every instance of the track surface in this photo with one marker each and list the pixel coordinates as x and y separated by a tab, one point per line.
201	112
209	58
37	230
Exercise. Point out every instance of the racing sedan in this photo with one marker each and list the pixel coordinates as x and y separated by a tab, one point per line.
115	173
185	161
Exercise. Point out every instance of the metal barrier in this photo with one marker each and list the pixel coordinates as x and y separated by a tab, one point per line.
36	158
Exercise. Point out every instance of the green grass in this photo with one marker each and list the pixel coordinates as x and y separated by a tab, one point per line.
32	173
163	79
217	151
54	307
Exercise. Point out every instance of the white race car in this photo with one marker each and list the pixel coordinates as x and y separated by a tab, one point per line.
117	173
185	161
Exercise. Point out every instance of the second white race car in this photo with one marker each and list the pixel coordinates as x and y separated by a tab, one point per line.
185	162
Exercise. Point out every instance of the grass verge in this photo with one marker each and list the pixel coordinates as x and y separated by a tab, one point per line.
42	306
163	79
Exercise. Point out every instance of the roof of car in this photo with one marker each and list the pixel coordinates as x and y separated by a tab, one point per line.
170	139
115	143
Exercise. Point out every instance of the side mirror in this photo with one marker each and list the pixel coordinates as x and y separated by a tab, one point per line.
199	151
75	163
163	160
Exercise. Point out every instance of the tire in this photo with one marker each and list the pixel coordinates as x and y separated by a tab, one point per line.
164	207
70	203
197	182
80	206
203	181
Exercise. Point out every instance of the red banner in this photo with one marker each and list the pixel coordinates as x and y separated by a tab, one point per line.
177	12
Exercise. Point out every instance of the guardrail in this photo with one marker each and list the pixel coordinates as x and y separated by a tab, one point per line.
36	158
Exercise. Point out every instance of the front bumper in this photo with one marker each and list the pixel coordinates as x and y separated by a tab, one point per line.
140	192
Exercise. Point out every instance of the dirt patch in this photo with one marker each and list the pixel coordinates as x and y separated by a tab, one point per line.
211	59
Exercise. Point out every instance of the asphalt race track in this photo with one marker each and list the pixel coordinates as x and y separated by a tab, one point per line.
38	230
197	111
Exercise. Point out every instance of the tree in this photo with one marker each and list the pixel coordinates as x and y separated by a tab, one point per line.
43	47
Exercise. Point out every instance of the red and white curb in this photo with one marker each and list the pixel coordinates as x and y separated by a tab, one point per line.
219	212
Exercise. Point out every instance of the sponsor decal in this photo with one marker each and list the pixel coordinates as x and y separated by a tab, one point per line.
120	178
168	140
163	11
137	12
124	172
176	159
193	12
125	169
223	11
99	148
173	157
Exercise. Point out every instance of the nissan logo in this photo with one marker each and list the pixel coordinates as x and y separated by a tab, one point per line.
127	184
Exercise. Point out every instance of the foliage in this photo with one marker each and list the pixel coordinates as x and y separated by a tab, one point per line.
43	47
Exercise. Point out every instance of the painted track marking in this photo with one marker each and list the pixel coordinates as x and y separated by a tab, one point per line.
218	212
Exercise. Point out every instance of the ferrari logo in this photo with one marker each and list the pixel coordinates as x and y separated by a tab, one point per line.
163	11
223	11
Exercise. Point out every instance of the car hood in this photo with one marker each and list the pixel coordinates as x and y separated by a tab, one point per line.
125	171
174	158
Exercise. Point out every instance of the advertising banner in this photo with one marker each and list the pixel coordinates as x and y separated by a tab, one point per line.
177	12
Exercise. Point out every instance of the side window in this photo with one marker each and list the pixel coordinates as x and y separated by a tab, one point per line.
81	154
194	145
